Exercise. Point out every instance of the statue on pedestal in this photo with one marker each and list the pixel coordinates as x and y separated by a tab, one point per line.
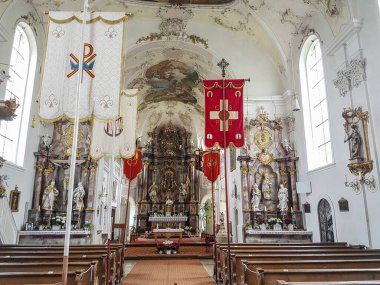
267	187
78	195
153	193
356	143
168	206
49	195
283	198
256	197
183	191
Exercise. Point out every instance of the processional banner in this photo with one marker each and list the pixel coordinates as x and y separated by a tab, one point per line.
119	134
132	166
211	165
224	112
102	45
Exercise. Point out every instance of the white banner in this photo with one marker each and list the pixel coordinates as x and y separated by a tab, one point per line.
102	61
125	130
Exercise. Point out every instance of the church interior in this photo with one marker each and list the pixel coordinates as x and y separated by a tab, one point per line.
288	195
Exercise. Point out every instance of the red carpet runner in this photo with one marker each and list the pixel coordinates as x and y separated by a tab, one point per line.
168	272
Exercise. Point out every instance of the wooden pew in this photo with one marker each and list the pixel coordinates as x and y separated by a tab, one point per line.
51	267
305	264
258	276
242	246
224	264
366	282
102	262
238	268
80	277
118	248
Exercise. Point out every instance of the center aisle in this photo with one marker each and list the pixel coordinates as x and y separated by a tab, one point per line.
168	272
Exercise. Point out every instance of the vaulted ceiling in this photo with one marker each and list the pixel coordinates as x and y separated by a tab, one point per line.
171	47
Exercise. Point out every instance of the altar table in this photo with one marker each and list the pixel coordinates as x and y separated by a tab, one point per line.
168	233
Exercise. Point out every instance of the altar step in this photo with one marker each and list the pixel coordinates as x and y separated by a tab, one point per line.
187	250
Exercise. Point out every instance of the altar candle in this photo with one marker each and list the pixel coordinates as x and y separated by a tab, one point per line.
265	208
291	209
39	208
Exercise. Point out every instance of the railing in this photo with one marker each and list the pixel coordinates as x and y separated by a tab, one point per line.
8	229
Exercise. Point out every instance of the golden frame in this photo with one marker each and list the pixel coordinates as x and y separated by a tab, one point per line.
14	199
357	119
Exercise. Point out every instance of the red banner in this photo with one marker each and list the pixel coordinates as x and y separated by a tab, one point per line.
132	166
224	112
211	165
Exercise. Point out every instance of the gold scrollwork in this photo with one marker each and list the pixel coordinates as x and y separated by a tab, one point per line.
283	172
361	168
292	171
39	168
49	169
244	170
263	139
265	157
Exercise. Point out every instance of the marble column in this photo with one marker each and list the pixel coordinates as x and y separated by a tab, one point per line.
37	185
293	179
192	184
244	169
144	192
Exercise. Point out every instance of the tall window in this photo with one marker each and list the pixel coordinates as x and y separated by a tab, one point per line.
316	118
20	87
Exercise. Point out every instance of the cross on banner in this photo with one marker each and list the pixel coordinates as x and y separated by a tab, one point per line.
224	106
223	114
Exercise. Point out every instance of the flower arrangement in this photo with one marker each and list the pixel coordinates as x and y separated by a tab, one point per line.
168	245
260	220
273	221
58	221
87	226
288	220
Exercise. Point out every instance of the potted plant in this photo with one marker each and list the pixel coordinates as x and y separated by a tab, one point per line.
248	226
168	247
261	222
57	222
289	222
42	223
87	226
275	223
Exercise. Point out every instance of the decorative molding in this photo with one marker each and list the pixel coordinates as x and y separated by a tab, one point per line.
351	77
343	37
173	26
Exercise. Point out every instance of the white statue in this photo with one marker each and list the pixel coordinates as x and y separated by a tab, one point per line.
50	193
46	140
256	197
182	193
286	146
153	193
267	187
168	206
283	198
78	195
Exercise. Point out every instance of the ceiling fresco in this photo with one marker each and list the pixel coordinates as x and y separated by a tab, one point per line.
171	80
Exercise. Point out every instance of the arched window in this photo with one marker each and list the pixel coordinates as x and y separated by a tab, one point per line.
314	101
20	87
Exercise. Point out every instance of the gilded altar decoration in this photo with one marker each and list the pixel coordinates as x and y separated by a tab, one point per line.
263	139
356	129
14	199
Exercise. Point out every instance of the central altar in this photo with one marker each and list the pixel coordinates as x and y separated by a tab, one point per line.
169	188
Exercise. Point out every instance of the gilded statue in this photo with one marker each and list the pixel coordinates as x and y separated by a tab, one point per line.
153	195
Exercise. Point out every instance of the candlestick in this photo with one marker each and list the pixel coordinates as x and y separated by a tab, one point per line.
291	209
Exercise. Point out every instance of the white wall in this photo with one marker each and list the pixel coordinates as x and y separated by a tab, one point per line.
22	176
328	182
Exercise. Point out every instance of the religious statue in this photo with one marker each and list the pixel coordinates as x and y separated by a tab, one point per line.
182	193
282	198
286	146
78	195
168	206
168	183
356	143
49	195
153	193
267	187
256	197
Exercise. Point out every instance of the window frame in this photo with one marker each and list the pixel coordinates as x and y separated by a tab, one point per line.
312	149
27	97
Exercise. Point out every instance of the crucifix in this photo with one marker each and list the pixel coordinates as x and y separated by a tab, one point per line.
223	65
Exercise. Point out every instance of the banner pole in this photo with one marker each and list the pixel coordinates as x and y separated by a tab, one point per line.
226	183
213	218
73	157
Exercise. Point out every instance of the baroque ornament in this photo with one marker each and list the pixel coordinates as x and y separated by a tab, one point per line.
173	26
351	77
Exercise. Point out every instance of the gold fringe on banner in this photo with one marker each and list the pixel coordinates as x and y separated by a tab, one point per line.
99	18
229	85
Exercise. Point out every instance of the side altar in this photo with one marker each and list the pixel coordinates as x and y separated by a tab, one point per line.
269	173
52	169
168	192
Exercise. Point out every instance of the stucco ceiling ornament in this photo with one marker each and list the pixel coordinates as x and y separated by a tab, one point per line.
235	20
331	6
173	26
